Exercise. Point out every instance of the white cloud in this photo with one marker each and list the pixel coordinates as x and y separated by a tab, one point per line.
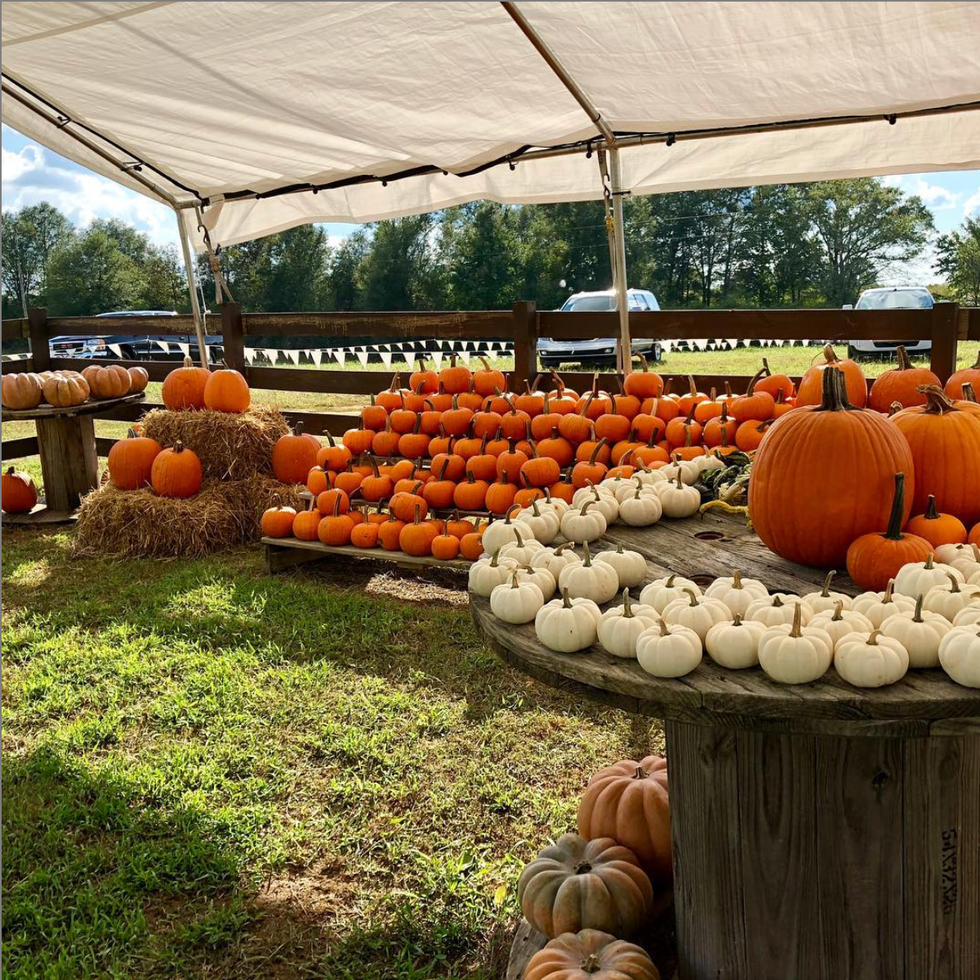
893	180
938	198
972	203
82	196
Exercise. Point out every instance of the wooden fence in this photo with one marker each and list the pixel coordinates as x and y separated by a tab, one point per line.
945	325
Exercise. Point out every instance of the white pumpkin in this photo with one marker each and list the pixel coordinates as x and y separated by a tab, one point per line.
871	659
555	559
967	563
541	577
696	614
515	601
557	504
542	522
959	654
647	476
631	566
663	591
737	593
825	600
840	622
501	532
878	606
778	609
968	617
708	462
589	579
687	470
736	644
583	524
668	651
974	579
920	633
918	577
487	573
589	493
678	500
794	653
523	548
625	489
620	626
606	504
949	553
950	599
641	510
567	625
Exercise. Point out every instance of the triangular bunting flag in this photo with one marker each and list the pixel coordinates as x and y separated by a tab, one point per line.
185	349
436	358
362	355
164	346
385	358
116	349
293	355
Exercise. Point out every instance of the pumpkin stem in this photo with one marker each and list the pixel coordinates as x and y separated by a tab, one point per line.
956	584
664	628
565	601
765	372
418	513
639	773
778	603
737	619
897	516
596	450
694	598
969	395
513	578
838	612
587	561
873	638
825	591
904	364
797	628
627	606
517	535
178	446
937	401
834	390
758	376
932	514
737	579
889	588
583	868
929	565
917	615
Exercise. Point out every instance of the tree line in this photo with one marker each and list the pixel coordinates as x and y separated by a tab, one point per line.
785	245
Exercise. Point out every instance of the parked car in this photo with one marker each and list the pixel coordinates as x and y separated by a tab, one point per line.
592	353
135	347
891	298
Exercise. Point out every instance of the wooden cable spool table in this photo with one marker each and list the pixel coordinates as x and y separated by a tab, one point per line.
69	460
819	830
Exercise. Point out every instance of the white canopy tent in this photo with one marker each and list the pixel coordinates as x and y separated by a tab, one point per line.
250	118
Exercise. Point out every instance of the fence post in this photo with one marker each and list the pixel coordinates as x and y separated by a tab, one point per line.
945	323
233	335
37	321
525	344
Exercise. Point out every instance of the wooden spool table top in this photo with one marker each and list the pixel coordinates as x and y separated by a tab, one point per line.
93	406
923	703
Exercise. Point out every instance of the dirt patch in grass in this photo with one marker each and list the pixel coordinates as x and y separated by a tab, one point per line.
425	587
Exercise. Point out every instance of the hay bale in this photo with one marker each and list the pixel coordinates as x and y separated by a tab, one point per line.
138	523
231	447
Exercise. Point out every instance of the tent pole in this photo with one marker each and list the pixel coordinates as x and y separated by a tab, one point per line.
618	242
202	347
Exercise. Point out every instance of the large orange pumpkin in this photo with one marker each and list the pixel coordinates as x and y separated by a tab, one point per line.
183	388
227	391
277	521
938	529
293	456
945	444
176	472
967	375
18	495
64	389
900	385
139	378
823	476
811	384
110	381
628	801
590	955
131	462
22	392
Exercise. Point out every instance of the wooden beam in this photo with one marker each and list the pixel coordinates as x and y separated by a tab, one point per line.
38	326
944	325
232	336
524	329
16	329
17	367
19	448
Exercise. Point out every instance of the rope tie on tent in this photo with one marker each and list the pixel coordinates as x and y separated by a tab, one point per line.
606	189
221	290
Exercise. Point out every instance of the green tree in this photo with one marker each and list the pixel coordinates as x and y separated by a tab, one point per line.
298	270
344	277
29	237
863	226
959	261
89	274
164	281
479	248
400	271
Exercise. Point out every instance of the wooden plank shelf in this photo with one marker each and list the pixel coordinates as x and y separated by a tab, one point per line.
283	553
93	406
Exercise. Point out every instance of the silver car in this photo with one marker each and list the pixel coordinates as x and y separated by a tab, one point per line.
891	298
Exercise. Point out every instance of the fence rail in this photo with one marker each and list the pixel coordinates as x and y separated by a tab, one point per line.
944	326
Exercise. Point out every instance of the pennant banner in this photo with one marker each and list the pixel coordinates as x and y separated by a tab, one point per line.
362	355
385	357
116	349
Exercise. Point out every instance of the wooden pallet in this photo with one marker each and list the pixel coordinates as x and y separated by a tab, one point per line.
283	553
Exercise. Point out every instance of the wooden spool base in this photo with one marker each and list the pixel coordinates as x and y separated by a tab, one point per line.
283	553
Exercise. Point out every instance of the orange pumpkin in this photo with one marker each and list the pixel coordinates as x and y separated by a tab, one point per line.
811	385
333	457
471	494
754	404
590	955
22	392
509	465
483	466
967	375
539	471
365	534
486	423
721	429
937	528
376	486
459	526
945	445
488	380
293	456
176	472
445	547
500	496
329	501
18	495
335	529
139	378
415	444
227	391
389	534
974	536
900	385
402	504
874	559
591	470
65	389
643	383
183	388
454	379
780	386
112	381
307	523
423	378
749	435
130	462
558	448
531	402
416	538
277	521
385	442
823	475
373	416
391	398
471	545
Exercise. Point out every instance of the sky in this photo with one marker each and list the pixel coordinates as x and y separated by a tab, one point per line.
32	173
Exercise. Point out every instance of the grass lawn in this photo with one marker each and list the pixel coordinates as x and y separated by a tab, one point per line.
212	772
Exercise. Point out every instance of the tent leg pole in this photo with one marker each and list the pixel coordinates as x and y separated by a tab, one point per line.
625	357
202	347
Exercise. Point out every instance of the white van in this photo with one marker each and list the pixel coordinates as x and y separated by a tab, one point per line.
891	298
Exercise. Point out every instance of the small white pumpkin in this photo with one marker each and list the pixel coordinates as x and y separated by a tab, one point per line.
663	591
687	469
737	593
959	654
696	614
621	625
541	577
668	651
918	577
708	462
734	645
631	566
583	523
678	500
641	510
589	493
968	617
794	653
919	632
542	522
614	485
967	563
501	532
647	476
515	601
567	625
625	489
825	600
558	505
871	660
949	553
950	599
840	622
555	559
523	548
878	606
487	573
607	504
589	579
974	579
778	609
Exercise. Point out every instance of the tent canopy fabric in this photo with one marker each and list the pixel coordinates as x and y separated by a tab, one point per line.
245	111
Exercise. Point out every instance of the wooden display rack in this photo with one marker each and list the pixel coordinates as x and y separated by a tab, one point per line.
283	553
